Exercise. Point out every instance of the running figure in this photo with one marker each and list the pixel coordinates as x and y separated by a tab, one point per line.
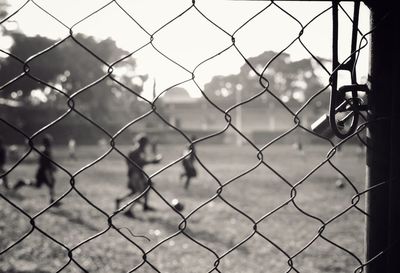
189	171
137	181
45	171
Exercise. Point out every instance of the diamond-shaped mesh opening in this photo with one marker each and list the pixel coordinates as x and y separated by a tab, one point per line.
246	260
192	257
112	32
235	227
300	228
259	184
121	256
24	255
340	259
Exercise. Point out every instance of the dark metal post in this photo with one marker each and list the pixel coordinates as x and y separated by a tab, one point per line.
383	153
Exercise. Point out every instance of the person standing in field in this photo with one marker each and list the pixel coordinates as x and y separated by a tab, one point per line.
189	171
45	171
72	148
3	160
137	181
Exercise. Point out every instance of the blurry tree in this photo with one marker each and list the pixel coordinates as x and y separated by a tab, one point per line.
292	81
3	11
69	67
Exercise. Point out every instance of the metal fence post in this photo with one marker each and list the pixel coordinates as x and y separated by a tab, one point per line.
383	203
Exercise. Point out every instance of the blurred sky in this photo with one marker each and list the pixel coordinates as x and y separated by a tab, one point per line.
191	38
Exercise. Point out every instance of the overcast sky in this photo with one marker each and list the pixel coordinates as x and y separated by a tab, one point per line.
191	38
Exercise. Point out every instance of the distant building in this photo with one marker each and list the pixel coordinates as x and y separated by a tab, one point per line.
178	95
191	113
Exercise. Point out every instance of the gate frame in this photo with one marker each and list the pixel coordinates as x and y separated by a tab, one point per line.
383	136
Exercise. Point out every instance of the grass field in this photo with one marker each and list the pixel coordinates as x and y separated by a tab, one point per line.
215	225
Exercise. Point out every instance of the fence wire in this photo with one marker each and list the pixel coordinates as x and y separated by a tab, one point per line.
185	220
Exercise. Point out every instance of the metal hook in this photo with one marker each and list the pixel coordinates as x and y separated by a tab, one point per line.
329	125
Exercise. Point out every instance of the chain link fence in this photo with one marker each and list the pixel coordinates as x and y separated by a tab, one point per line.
261	206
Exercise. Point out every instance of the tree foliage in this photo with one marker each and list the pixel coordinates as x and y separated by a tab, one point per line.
3	6
291	81
70	67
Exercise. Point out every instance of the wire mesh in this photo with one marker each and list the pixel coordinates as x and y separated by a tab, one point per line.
126	247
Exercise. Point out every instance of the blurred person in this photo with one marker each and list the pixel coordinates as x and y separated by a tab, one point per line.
72	148
13	153
45	171
189	171
137	181
3	160
298	145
